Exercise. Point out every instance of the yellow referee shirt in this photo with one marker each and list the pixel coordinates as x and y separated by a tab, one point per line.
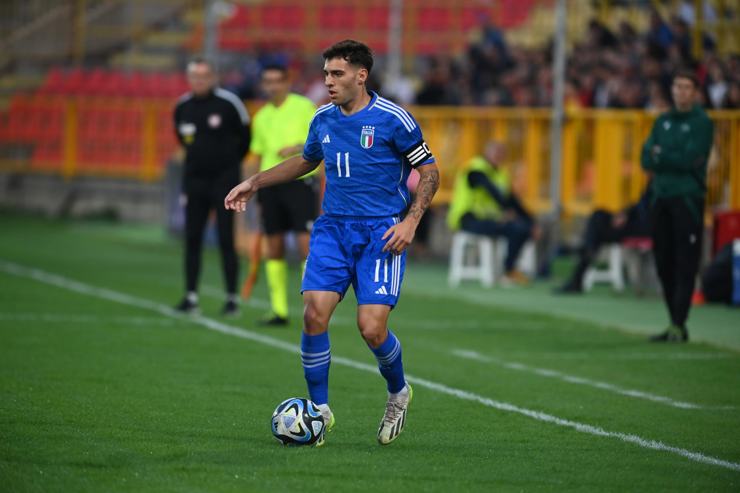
277	127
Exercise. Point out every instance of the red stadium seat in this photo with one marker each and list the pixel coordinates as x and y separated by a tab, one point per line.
377	19
434	19
343	17
281	17
53	82
472	17
239	19
73	82
93	82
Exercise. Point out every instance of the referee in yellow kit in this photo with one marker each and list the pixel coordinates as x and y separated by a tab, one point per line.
279	130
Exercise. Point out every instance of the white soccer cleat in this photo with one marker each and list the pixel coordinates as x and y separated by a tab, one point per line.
395	415
328	422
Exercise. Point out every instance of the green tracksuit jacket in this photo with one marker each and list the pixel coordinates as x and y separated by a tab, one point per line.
677	152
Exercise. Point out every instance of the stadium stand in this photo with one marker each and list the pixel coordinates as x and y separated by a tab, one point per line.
51	128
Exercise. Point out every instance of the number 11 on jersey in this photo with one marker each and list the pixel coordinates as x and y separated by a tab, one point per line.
346	164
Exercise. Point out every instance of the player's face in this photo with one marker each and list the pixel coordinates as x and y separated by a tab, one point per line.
683	92
344	81
275	84
201	78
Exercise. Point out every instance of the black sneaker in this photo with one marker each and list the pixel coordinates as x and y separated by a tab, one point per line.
273	320
230	309
187	307
671	334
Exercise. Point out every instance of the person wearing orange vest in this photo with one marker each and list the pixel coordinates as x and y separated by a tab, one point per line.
484	203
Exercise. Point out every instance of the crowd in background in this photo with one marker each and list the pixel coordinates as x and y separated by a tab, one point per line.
620	68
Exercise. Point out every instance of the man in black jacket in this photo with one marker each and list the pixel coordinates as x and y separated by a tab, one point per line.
604	227
213	127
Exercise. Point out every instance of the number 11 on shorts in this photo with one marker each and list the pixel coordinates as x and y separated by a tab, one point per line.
385	270
346	164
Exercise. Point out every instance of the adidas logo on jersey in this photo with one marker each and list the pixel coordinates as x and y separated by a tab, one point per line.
326	140
382	290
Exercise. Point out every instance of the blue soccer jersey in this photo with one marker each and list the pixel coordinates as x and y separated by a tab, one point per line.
368	157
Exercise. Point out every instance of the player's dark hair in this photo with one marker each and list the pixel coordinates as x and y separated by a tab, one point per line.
276	67
356	53
687	74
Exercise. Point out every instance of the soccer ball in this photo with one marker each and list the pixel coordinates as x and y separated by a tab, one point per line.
297	421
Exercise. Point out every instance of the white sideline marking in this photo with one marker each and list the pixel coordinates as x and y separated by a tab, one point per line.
107	294
83	318
637	356
511	365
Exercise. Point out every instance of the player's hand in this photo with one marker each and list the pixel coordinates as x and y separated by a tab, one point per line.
399	236
238	197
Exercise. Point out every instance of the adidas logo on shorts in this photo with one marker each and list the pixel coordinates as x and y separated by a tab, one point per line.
326	140
382	290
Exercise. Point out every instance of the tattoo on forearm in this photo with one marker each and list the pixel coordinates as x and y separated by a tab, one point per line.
428	185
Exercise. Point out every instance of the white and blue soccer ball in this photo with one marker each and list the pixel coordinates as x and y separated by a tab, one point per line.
297	421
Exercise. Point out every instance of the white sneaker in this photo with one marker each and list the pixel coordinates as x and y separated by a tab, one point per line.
394	418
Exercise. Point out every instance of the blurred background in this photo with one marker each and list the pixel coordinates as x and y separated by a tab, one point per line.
87	89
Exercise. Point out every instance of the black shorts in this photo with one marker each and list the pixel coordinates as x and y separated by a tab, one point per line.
289	207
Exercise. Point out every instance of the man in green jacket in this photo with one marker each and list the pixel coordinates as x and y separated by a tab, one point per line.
676	153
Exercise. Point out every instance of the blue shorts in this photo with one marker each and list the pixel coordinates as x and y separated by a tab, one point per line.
349	250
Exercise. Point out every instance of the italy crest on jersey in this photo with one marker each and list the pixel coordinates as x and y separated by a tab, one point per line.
367	136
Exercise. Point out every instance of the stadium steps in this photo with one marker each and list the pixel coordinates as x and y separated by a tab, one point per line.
538	28
162	47
13	84
166	39
138	60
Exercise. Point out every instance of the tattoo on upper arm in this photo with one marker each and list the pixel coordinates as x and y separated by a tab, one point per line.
428	185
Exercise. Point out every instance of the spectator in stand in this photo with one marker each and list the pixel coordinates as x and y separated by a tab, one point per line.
733	96
659	36
717	85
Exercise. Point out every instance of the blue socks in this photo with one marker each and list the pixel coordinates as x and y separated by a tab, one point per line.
388	355
316	358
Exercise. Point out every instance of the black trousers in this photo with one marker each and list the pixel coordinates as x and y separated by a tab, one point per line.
201	200
516	232
600	230
677	231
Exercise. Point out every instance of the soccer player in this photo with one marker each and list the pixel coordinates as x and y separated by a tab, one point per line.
278	132
213	127
369	146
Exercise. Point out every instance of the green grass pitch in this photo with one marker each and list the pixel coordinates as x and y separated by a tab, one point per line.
103	389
